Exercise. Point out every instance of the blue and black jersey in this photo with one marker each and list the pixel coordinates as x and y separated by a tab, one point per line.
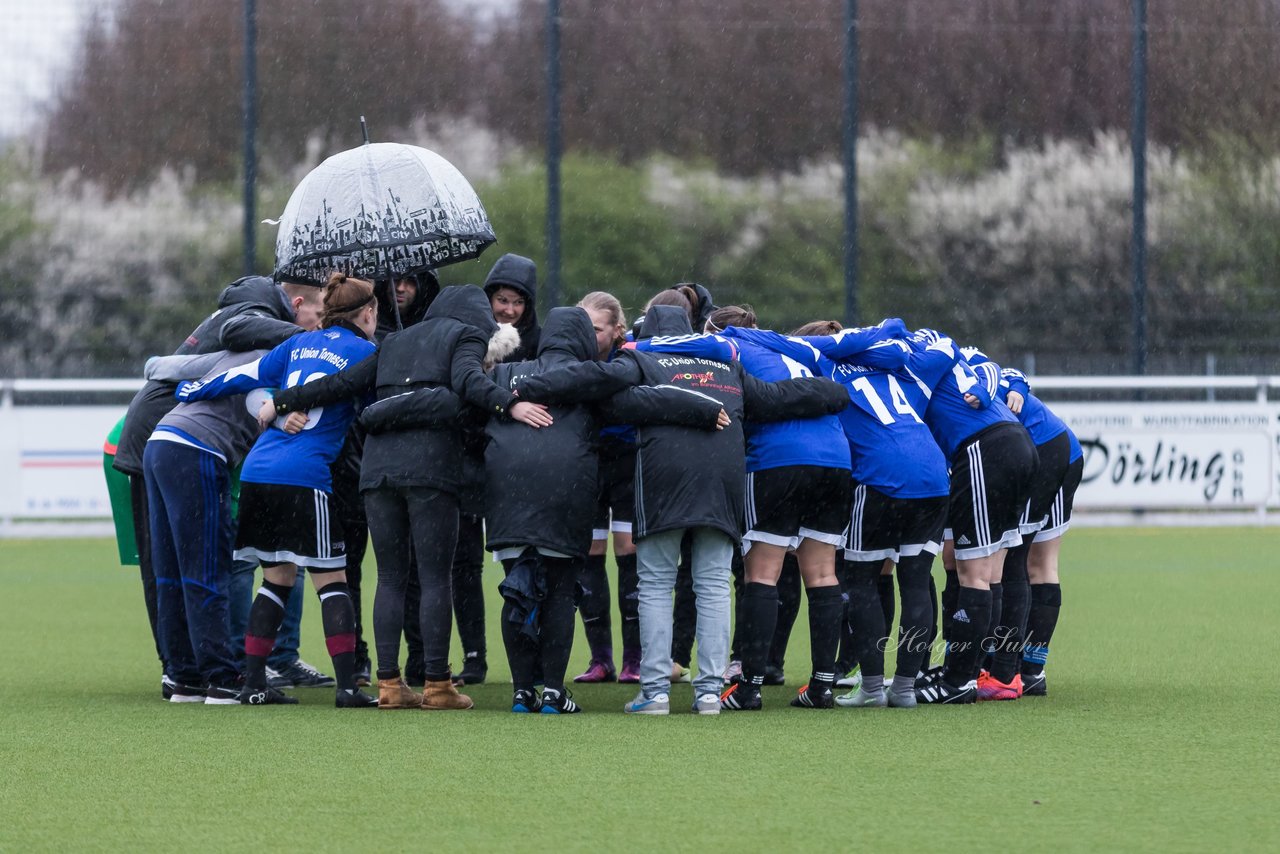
1039	419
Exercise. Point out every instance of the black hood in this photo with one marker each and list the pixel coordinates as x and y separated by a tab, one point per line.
665	320
465	304
428	288
705	305
257	290
520	274
568	330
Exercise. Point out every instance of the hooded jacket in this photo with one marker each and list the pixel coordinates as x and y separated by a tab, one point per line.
520	274
445	351
686	478
428	290
540	485
253	314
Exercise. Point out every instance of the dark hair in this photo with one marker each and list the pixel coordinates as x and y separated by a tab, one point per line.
731	315
343	298
819	327
681	296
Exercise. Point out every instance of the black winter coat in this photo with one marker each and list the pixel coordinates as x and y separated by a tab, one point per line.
685	478
445	351
520	274
253	314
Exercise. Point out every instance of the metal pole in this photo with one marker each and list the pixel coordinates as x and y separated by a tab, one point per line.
250	131
553	153
1139	143
850	162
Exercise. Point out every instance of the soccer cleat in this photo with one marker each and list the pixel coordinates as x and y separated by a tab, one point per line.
526	702
598	671
860	699
774	675
929	675
852	679
396	694
221	695
354	699
991	688
166	687
474	670
900	701
1034	685
630	672
741	697
299	674
940	692
265	696
733	672
658	704
707	704
680	673
179	693
556	703
814	697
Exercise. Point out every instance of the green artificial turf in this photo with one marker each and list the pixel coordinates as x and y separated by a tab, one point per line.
1159	733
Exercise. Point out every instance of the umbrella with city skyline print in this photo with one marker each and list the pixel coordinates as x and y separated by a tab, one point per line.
379	211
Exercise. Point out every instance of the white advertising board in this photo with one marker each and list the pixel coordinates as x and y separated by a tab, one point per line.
51	461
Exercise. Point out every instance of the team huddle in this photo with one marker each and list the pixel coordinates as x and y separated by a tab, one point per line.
439	422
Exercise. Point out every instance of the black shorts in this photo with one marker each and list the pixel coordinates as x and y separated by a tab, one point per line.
289	524
991	476
1059	518
616	508
793	503
883	527
1055	459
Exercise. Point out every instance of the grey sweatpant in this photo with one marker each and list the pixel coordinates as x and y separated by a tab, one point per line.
657	557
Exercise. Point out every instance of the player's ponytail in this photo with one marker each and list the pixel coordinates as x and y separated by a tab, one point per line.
344	297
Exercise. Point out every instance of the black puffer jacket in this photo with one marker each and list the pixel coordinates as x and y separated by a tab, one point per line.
520	274
685	478
253	313
446	350
541	484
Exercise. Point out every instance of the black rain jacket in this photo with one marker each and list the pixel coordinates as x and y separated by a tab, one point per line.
520	274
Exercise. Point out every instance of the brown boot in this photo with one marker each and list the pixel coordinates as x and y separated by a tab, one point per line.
442	695
396	694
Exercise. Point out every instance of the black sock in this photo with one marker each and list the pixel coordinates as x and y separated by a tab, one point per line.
1046	601
917	611
950	596
932	636
629	604
1017	600
884	587
987	659
788	609
594	605
969	624
760	617
826	607
338	617
867	620
555	624
265	616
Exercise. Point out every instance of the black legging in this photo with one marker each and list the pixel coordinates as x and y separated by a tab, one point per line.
468	589
555	628
413	525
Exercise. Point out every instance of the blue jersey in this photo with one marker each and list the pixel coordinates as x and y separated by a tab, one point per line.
819	441
1041	423
950	418
302	459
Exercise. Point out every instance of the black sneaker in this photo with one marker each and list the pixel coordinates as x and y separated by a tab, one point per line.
1034	686
929	675
741	697
940	691
166	687
299	674
474	670
774	676
556	703
222	695
265	696
363	672
179	693
526	702
354	699
814	697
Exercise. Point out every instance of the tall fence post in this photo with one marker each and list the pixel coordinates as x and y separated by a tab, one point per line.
250	132
850	154
553	153
1139	145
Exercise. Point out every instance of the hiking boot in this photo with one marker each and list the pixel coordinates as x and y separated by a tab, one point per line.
396	694
443	696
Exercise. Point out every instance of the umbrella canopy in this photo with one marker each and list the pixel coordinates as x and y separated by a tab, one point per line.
378	211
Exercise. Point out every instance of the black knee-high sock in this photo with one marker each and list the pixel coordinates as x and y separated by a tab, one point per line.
884	588
759	619
339	619
826	609
969	625
555	622
917	610
867	621
987	659
846	660
629	605
950	596
265	616
521	650
1046	602
594	605
1013	623
788	610
933	619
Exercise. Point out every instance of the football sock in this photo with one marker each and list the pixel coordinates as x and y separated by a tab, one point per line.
1017	600
866	618
760	617
917	611
265	616
933	616
986	660
950	596
826	607
593	589
1046	601
338	617
884	587
788	609
629	603
969	624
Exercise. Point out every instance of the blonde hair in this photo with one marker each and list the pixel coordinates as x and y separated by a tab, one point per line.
344	297
819	327
606	302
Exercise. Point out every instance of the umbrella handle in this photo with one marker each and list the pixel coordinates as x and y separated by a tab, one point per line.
364	130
